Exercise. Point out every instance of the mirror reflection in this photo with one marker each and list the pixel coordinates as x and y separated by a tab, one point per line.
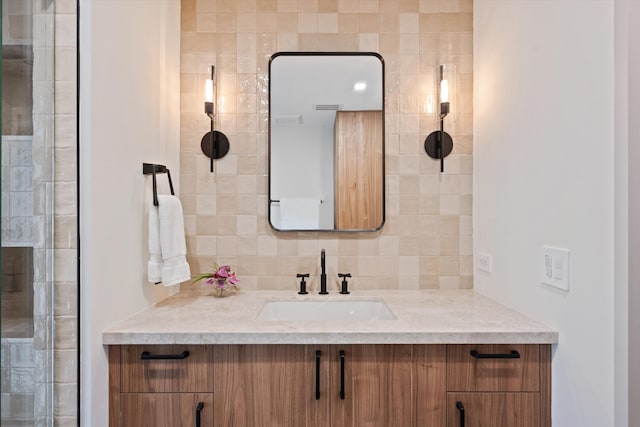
326	141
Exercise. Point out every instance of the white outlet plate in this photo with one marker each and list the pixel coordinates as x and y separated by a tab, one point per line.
554	268
485	262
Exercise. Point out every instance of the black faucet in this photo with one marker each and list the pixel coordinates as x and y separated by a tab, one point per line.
323	275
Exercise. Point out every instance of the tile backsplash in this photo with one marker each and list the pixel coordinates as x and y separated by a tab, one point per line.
426	241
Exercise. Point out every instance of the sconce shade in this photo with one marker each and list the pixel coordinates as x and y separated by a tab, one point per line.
444	91
208	90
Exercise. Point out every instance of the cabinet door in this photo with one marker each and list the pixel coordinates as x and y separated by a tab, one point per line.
271	385
372	386
493	409
166	410
431	379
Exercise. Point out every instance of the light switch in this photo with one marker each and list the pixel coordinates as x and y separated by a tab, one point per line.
485	262
555	267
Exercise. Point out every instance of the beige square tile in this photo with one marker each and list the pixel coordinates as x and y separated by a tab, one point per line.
287	22
287	5
267	5
328	22
206	245
347	23
307	23
347	6
428	214
389	22
408	5
247	245
449	245
449	5
227	225
327	6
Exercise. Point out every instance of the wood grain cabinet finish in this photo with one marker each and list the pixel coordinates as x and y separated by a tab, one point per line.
171	386
270	386
359	385
489	387
166	409
331	385
359	172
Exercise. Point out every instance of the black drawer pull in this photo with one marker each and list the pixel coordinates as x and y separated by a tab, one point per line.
198	412
318	353
460	407
342	374
513	355
147	356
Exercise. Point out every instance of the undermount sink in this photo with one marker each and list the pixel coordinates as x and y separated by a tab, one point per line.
355	310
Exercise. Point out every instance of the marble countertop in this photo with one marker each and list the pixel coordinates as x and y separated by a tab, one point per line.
423	317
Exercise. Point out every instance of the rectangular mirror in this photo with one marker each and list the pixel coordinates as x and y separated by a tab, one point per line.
326	141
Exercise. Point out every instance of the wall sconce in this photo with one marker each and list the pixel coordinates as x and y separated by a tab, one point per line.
439	144
214	144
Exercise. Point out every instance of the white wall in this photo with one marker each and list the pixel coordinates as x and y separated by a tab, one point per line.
633	51
302	166
129	114
621	292
544	175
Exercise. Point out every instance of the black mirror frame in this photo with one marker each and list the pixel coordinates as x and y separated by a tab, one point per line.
269	198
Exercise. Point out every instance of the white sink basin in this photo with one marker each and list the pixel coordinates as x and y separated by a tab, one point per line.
348	309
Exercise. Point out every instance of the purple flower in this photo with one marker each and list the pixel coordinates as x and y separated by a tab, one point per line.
222	277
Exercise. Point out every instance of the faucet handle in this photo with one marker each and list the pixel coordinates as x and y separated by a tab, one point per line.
303	284
344	276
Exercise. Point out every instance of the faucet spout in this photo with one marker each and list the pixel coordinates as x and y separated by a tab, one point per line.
323	274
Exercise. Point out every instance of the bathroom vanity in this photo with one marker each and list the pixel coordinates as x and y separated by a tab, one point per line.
449	358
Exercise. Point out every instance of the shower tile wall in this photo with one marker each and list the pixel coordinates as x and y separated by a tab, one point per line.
52	353
17	191
426	241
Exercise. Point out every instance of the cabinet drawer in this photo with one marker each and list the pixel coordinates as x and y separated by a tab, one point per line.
493	409
493	367
167	409
167	368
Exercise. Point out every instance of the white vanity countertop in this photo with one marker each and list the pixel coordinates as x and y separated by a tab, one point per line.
423	317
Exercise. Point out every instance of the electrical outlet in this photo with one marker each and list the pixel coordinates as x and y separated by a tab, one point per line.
485	262
555	267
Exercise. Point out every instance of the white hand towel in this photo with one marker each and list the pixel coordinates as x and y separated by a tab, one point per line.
173	248
154	266
299	213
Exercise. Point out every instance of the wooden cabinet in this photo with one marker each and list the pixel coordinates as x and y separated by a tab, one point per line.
330	385
499	385
161	385
271	385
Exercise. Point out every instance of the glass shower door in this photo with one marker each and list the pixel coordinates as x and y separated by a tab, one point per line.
26	278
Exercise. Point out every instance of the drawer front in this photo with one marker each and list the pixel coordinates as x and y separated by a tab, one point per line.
167	410
167	368
493	367
493	410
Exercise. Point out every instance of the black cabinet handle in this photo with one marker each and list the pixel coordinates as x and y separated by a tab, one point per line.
147	356
513	355
342	374
460	407
198	411
318	353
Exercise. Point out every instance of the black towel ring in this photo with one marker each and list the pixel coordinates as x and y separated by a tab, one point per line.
153	169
